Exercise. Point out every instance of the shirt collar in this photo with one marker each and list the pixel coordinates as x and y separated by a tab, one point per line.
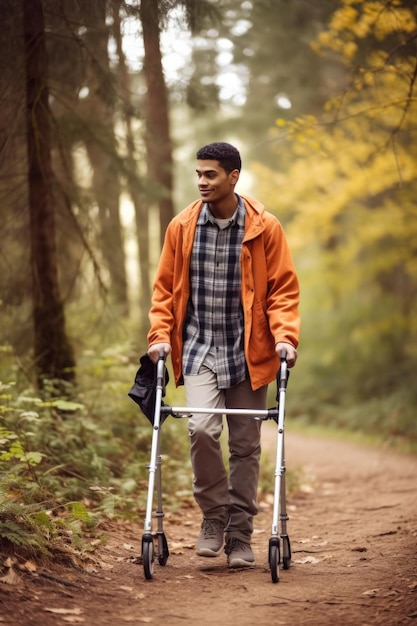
238	217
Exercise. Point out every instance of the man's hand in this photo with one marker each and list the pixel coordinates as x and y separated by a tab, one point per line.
155	350
291	352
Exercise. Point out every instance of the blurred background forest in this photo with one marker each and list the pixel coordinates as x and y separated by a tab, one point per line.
103	105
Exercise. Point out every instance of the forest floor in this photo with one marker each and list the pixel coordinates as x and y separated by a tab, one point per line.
353	530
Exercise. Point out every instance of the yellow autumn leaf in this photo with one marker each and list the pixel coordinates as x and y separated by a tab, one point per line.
350	49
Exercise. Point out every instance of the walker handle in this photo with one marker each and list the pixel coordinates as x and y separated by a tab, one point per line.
283	373
160	371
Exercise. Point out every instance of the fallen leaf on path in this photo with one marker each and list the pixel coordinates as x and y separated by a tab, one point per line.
29	566
307	559
371	593
11	577
178	547
75	611
95	542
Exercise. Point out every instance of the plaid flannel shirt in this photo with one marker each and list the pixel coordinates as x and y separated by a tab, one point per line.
214	326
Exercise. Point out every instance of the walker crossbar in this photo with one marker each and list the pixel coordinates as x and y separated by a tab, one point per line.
186	411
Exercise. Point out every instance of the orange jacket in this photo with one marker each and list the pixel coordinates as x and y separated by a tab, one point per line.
270	290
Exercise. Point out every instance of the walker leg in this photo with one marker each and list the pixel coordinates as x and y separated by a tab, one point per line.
154	467
279	514
163	551
286	545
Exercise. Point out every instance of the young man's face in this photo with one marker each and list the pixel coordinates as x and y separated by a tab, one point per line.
213	182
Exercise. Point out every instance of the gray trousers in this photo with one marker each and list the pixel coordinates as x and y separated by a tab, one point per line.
231	499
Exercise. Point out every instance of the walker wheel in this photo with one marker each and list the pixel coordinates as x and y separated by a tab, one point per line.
148	557
163	551
286	552
274	558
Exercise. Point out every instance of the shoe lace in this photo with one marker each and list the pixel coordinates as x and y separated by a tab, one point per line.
235	544
211	528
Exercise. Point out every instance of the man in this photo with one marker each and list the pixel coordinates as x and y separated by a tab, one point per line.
225	304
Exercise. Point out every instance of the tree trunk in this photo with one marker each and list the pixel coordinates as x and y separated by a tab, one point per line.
53	354
133	182
158	140
102	151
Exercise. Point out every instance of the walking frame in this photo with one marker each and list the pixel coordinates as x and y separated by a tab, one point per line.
279	537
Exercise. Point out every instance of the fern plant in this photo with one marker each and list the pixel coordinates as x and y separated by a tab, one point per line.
33	518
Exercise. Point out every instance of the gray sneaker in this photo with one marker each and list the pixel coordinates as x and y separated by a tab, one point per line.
239	553
211	538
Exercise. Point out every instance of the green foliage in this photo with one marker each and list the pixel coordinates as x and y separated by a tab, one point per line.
36	529
32	516
69	462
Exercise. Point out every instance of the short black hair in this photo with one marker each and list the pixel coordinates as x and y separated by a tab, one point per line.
227	155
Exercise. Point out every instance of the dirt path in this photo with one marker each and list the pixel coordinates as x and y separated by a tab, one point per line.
353	530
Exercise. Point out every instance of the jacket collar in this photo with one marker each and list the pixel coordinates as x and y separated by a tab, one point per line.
254	224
